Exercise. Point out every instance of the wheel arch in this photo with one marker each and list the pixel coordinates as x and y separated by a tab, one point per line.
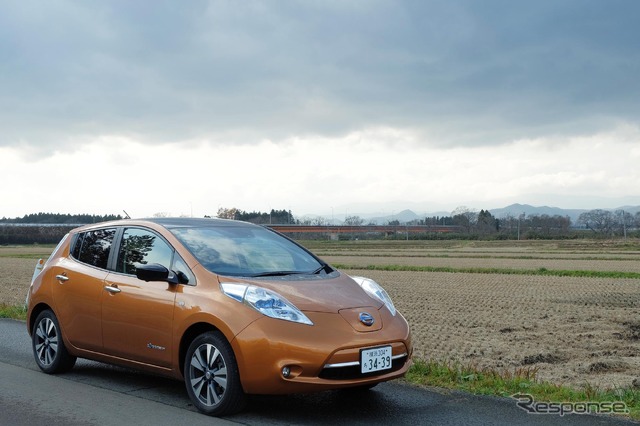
40	307
191	333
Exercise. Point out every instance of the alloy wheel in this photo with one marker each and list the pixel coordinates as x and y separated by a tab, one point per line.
208	374
46	342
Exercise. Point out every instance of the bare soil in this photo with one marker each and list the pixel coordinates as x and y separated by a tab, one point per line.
573	330
15	276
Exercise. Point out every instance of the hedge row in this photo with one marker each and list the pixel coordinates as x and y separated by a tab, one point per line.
33	234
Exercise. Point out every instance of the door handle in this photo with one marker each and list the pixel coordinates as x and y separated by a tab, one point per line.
62	277
112	289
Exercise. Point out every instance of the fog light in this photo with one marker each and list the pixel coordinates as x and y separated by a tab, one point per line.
286	372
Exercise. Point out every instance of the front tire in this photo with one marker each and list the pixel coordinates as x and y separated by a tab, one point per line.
48	347
211	376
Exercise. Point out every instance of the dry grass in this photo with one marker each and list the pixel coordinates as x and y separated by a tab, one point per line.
15	276
632	265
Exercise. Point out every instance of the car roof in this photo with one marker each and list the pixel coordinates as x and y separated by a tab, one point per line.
182	222
172	223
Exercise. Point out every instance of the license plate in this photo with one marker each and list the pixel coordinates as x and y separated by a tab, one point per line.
375	359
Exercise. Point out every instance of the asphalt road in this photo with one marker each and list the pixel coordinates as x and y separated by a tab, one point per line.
99	394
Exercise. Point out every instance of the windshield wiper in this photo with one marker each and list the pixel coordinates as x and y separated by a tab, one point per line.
320	269
277	273
284	273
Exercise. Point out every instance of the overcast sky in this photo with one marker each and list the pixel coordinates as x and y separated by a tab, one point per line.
333	107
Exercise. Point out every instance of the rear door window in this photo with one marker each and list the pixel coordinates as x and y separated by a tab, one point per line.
94	247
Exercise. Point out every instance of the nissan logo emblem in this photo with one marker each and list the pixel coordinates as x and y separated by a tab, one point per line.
366	319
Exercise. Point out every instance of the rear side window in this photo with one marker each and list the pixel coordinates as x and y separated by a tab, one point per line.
77	245
93	247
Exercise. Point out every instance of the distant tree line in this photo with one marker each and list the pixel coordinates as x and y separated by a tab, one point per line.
608	223
275	217
44	228
472	224
61	219
49	228
32	234
482	224
594	223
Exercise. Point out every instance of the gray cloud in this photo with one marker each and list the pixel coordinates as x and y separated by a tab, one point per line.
458	72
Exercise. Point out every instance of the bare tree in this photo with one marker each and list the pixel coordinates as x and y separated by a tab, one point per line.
465	217
625	221
224	213
600	221
353	221
319	221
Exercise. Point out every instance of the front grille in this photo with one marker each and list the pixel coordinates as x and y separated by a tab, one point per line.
353	371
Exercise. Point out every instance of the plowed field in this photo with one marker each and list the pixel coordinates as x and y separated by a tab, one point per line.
573	330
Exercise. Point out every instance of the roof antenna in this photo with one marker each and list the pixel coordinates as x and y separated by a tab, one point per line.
126	214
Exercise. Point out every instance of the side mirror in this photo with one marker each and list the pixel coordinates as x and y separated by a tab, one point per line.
182	277
155	272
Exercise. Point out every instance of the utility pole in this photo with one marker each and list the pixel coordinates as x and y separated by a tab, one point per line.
519	219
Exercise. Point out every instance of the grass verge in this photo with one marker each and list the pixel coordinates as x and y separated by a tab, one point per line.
35	256
540	271
13	312
474	256
522	380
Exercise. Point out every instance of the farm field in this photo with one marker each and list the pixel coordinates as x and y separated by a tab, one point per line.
573	330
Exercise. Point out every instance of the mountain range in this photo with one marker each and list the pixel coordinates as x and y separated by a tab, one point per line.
518	209
511	210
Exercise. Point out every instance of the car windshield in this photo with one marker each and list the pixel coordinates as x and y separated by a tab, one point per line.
246	251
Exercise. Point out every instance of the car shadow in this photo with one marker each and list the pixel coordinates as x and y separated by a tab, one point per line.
353	406
337	406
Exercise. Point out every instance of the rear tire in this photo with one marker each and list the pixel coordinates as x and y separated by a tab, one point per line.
211	376
48	346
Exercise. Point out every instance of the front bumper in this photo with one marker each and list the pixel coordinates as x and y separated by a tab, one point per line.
319	357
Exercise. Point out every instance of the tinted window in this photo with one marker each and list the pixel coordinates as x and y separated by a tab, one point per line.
95	247
142	247
244	251
77	245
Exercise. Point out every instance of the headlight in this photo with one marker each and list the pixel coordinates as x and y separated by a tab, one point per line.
374	290
265	301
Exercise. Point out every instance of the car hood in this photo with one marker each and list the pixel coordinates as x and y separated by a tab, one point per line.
321	295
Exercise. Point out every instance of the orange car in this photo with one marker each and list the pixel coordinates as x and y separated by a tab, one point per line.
229	307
